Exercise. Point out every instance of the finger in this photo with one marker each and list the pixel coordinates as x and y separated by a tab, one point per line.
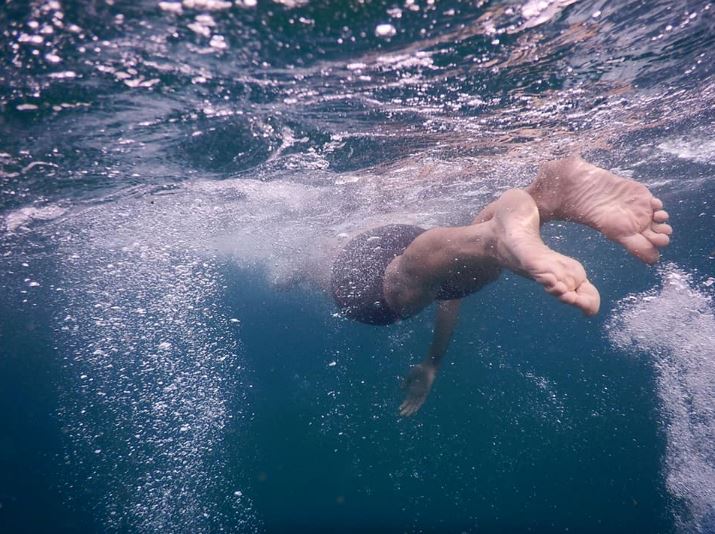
406	411
418	405
662	228
407	404
660	216
412	408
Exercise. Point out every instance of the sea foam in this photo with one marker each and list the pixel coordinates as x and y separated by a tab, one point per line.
674	325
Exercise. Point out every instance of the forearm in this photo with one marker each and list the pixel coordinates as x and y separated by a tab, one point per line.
419	382
445	322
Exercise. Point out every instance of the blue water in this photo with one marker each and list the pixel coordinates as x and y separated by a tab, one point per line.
168	171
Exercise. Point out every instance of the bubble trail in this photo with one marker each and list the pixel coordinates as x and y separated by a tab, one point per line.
675	326
153	379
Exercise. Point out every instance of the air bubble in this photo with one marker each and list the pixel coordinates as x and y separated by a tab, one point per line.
385	31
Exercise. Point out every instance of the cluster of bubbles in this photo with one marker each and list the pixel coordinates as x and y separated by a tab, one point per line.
675	326
154	377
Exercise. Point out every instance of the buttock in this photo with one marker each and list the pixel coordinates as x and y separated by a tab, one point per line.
359	271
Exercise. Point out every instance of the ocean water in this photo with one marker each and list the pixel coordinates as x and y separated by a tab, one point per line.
169	169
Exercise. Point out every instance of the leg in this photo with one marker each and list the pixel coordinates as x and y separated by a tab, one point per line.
622	210
519	248
510	238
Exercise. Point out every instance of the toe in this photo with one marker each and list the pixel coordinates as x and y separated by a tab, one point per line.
662	228
640	247
547	280
659	240
660	216
552	285
569	297
585	297
656	203
589	299
557	289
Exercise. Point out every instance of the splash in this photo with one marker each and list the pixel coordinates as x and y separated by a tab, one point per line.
700	150
537	12
22	217
675	326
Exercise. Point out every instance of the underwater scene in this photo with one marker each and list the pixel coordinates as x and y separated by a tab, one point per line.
172	177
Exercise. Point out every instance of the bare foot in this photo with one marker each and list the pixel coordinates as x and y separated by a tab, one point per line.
518	247
622	210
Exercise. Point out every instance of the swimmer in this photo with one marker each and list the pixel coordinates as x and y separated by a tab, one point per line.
393	272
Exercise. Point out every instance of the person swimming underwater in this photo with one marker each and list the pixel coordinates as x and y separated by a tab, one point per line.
392	272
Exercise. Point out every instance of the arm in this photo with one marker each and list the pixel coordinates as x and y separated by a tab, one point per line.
419	381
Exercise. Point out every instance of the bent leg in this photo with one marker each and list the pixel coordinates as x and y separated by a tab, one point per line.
510	239
520	248
413	280
623	210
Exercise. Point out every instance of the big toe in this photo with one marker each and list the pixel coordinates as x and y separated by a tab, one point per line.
585	297
589	299
641	247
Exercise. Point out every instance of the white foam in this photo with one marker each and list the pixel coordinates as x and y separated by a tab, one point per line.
537	12
292	3
172	7
22	217
698	150
209	5
674	325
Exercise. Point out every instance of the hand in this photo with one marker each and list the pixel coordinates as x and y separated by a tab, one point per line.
418	385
